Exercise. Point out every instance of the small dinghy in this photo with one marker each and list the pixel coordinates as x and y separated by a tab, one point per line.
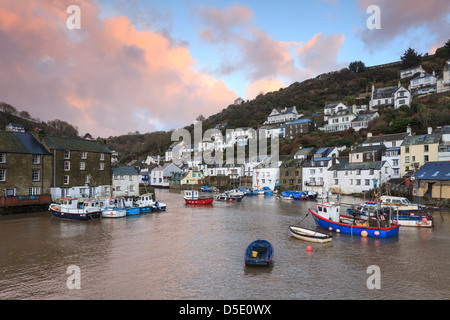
259	253
309	235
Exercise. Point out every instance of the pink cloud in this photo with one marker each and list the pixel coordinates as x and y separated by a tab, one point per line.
107	78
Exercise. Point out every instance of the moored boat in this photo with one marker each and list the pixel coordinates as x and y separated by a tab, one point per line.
146	204
70	208
114	208
192	197
309	235
259	253
328	217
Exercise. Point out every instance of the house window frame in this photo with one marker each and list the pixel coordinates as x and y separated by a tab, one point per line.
35	175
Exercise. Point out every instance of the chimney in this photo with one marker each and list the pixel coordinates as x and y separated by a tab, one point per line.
430	130
408	129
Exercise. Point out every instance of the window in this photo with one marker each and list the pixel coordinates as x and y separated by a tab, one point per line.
36	174
82	165
132	188
336	181
2	157
425	158
2	174
395	162
406	159
118	188
36	159
358	172
396	171
66	179
371	172
407	149
102	156
425	148
358	182
66	165
66	154
367	182
34	191
83	155
102	166
87	179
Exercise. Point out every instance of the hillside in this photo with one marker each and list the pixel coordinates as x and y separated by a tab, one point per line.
309	96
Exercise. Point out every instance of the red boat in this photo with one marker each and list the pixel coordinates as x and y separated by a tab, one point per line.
192	197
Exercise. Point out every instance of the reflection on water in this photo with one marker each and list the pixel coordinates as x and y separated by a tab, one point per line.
193	252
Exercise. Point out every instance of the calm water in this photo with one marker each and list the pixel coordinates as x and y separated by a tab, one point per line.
197	253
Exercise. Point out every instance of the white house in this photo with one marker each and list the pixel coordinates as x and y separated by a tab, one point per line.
332	109
352	178
391	154
160	175
411	71
314	171
266	174
402	96
443	84
283	115
125	181
339	121
423	83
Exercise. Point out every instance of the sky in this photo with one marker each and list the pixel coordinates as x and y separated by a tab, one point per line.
157	65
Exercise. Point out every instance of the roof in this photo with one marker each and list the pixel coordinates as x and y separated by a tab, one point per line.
434	170
74	144
422	139
124	170
375	165
299	121
20	142
304	151
387	138
374	148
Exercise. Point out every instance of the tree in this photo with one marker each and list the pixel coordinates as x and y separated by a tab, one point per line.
410	58
357	66
443	52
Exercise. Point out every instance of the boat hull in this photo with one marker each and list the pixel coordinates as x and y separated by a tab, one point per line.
414	221
309	235
354	229
199	201
114	213
77	216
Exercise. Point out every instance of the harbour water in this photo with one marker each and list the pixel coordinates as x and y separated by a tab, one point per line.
197	253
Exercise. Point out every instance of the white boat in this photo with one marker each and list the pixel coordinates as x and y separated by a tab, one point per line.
309	235
145	203
114	208
284	197
72	208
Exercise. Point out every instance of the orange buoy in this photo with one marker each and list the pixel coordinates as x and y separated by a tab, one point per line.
330	228
424	220
377	233
364	233
308	248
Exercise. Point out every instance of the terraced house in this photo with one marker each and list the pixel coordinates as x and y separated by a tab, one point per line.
25	166
80	168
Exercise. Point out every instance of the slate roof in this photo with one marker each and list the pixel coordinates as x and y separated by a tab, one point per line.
374	148
422	139
387	138
20	142
434	170
75	144
124	170
375	165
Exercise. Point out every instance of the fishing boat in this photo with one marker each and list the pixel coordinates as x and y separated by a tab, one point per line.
228	198
406	213
328	217
309	235
259	253
192	197
146	204
114	208
70	208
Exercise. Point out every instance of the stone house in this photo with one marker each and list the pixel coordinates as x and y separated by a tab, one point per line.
25	165
80	167
291	174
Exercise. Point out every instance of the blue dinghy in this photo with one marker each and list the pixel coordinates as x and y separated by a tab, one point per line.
259	253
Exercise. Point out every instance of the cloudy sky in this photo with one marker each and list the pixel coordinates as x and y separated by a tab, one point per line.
156	65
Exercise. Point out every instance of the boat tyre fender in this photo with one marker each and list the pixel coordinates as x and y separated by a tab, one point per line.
111	202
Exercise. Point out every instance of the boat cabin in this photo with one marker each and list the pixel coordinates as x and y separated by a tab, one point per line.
191	194
145	200
329	210
70	204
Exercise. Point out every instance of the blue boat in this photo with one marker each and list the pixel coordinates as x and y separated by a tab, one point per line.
259	253
328	217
